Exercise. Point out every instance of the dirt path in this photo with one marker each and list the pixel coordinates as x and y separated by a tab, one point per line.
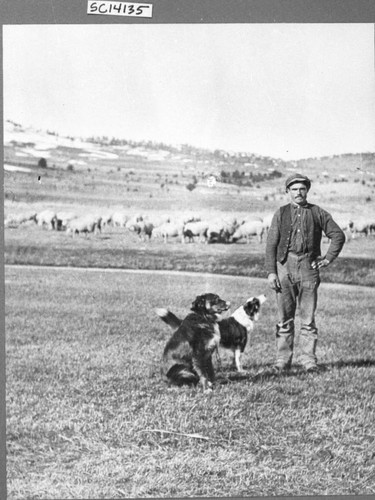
328	286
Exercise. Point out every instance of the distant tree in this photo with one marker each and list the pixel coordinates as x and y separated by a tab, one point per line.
42	163
190	186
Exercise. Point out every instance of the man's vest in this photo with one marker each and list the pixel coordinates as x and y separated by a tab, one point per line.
313	236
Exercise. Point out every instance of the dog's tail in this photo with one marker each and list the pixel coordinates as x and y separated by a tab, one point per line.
181	375
168	317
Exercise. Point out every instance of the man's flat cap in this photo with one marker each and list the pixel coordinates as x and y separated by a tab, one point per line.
292	179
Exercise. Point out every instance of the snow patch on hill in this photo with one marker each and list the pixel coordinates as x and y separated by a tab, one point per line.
12	168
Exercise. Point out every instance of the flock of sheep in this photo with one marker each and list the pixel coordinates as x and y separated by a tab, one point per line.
186	227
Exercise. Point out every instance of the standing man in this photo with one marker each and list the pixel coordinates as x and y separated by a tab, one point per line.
293	261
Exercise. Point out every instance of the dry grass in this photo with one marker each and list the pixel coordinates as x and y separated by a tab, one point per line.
89	417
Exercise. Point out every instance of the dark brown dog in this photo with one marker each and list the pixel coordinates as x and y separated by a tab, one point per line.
187	357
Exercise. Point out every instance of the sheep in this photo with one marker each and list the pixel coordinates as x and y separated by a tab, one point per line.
221	230
146	229
16	220
215	231
107	219
119	218
346	225
143	229
361	227
133	220
254	228
168	230
47	218
192	229
267	219
85	224
62	219
229	230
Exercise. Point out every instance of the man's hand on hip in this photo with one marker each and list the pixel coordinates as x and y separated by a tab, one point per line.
273	282
320	262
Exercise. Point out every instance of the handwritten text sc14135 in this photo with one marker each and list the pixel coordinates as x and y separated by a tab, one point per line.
119	8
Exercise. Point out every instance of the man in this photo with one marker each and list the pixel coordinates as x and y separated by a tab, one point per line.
293	261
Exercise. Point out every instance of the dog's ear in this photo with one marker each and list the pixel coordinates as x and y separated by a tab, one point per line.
199	303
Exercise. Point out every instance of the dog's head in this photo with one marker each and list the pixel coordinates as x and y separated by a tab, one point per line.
210	304
252	306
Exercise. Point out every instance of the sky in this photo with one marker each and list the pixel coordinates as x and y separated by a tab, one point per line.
288	91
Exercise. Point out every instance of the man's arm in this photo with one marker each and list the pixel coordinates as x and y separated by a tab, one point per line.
333	231
273	239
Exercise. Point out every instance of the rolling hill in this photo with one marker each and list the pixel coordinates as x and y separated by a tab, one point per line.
42	167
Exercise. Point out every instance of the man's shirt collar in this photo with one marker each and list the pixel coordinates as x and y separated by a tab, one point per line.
295	206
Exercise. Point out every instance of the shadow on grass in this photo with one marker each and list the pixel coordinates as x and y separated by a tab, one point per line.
263	372
352	363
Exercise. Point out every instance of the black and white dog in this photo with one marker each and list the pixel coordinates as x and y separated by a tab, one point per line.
234	331
187	357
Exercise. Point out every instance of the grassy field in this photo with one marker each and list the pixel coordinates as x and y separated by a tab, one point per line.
88	415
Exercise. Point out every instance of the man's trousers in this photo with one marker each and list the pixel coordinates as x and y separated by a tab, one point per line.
299	289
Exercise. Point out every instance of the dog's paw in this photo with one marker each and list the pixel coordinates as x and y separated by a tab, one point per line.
207	387
238	369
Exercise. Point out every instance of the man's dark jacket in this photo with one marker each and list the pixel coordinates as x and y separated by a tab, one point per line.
318	221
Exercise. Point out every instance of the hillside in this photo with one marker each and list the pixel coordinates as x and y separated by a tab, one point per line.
44	168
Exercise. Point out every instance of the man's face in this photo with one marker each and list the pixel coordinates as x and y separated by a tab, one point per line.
297	193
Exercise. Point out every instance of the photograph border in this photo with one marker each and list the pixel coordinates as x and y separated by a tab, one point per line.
17	12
